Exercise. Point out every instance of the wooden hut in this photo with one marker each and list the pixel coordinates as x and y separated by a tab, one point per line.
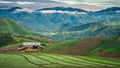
31	47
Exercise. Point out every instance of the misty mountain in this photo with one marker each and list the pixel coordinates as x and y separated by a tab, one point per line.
8	10
87	30
63	9
54	22
110	10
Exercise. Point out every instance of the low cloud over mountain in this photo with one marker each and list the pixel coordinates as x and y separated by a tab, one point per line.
84	4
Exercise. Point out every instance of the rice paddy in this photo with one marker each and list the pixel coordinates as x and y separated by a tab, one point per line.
43	60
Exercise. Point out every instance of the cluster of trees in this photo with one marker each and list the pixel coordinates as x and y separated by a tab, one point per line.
119	34
5	38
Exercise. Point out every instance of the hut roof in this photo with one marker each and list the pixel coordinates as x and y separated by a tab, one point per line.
31	43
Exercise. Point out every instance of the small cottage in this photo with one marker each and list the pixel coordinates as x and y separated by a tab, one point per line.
31	47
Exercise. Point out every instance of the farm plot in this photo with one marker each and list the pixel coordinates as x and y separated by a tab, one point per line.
14	61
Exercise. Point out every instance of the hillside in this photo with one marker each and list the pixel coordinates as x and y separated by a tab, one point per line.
13	34
108	48
14	28
9	26
79	47
87	30
99	46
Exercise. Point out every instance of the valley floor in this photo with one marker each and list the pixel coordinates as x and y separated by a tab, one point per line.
43	60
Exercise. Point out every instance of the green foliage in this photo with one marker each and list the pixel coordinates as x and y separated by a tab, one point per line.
119	34
44	44
5	38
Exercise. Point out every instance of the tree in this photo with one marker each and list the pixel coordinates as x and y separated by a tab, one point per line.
119	34
5	38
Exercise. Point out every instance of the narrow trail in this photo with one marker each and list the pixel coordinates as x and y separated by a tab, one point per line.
38	65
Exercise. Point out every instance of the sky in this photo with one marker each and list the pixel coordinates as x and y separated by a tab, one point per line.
89	5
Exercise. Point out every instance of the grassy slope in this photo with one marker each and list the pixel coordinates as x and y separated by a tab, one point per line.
75	46
7	25
59	45
88	46
55	48
111	45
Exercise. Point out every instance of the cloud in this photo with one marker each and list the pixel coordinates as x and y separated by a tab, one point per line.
118	11
23	10
67	2
59	11
107	3
90	5
6	2
70	2
18	2
24	3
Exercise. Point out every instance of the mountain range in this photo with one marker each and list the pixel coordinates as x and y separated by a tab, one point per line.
67	23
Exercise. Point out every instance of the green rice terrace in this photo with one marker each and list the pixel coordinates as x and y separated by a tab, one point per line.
91	52
43	60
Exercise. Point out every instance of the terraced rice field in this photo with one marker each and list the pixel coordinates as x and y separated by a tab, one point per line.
42	60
